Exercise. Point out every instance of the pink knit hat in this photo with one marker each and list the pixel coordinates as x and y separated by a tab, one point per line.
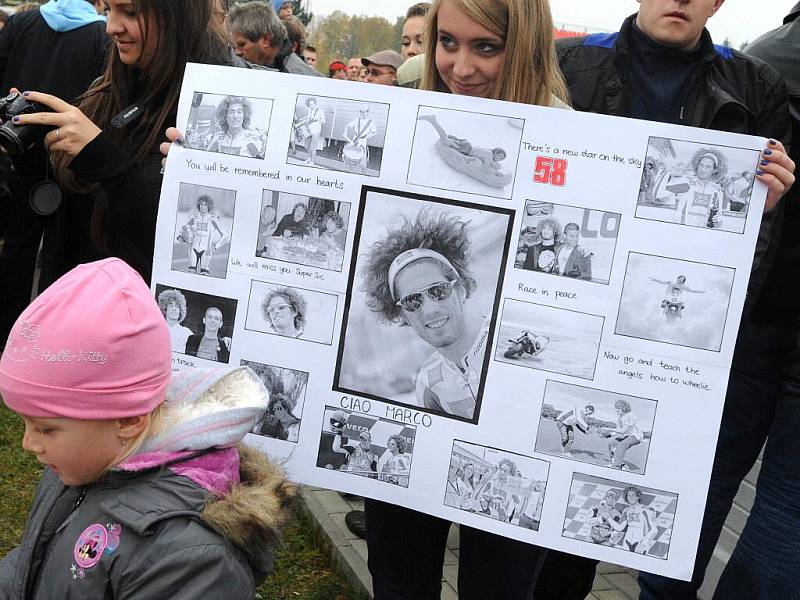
94	345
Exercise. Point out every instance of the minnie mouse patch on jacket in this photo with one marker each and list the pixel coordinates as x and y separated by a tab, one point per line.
92	543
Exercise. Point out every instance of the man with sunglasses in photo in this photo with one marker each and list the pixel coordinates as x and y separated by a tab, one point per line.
382	67
431	295
418	276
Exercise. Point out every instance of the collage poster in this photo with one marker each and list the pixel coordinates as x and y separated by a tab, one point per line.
517	318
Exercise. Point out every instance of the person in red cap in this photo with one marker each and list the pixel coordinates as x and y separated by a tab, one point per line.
338	70
143	479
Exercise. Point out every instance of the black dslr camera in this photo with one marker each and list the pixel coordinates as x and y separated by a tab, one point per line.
17	139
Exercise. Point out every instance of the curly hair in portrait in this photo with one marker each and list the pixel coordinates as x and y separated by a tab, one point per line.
444	233
558	233
281	399
209	202
222	111
291	297
720	163
635	490
167	296
334	217
623	405
311	99
510	463
400	441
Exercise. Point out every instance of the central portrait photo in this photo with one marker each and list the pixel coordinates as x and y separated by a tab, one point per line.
422	301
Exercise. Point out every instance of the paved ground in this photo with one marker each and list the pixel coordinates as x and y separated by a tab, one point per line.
328	508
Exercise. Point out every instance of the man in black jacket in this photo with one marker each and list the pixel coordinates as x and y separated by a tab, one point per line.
58	49
662	66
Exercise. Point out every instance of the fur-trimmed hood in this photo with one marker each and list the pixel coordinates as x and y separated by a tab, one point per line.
252	514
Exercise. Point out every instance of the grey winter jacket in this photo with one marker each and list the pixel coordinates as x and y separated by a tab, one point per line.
148	536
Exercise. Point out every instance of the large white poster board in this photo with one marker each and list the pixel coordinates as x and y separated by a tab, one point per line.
558	378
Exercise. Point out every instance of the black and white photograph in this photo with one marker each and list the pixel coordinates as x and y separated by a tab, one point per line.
424	287
367	446
549	339
338	134
699	185
287	395
291	312
501	485
675	301
199	324
467	152
619	515
203	230
303	230
569	241
596	426
235	125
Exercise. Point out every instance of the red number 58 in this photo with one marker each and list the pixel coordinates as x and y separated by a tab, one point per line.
552	171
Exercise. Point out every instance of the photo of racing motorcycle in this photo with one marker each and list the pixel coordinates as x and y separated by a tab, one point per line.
549	339
527	343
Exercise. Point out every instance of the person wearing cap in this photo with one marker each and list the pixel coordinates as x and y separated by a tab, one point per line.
283	8
361	460
382	67
145	491
338	70
358	132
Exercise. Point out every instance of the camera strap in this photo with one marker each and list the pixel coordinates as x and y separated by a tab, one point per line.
127	116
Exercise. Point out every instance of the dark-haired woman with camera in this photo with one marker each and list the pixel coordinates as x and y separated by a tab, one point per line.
105	149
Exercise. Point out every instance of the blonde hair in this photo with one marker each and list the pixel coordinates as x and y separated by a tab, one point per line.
155	423
530	73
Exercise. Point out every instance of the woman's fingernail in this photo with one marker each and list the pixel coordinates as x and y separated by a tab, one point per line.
179	140
765	162
759	172
767	152
15	119
773	143
26	94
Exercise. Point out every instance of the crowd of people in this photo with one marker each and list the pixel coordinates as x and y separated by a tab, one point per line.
104	77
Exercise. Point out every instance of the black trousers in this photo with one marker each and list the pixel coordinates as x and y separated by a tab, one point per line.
406	556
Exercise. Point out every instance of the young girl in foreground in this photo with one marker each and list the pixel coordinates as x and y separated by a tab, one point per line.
145	494
500	49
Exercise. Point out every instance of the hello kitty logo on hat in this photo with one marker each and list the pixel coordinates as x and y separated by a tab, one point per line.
23	345
22	341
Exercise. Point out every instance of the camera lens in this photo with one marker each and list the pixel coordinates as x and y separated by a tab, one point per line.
10	140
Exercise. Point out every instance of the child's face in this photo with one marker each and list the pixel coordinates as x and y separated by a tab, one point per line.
77	451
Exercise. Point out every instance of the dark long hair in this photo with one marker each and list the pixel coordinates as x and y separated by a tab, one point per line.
186	31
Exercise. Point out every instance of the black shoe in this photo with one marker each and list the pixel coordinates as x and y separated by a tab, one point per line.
357	523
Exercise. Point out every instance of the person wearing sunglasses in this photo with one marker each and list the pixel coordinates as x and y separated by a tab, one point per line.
410	283
382	67
285	311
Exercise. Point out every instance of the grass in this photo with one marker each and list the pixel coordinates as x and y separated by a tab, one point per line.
302	570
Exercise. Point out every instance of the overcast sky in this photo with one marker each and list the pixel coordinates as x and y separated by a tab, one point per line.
739	20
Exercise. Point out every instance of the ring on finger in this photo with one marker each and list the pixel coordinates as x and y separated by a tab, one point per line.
58	136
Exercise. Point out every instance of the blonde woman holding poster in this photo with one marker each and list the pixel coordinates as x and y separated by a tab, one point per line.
501	49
